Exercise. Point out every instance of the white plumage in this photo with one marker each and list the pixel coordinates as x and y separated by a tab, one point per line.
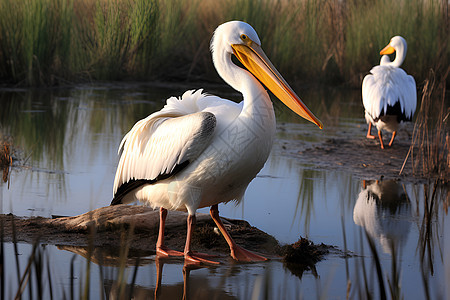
389	94
163	140
201	150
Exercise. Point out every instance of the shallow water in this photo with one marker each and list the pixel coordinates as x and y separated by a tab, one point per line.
67	140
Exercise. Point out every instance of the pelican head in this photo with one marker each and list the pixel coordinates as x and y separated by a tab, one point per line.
398	45
240	39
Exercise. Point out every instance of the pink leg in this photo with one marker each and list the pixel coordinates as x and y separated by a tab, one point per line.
369	134
238	253
191	257
392	138
381	139
161	249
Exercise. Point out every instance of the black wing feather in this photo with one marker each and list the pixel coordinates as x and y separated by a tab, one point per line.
132	184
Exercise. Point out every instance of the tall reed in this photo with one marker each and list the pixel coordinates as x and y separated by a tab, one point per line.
46	42
371	24
33	40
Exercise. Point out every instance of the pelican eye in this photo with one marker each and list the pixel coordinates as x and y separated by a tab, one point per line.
243	37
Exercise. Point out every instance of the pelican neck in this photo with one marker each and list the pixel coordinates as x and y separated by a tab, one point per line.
242	81
400	54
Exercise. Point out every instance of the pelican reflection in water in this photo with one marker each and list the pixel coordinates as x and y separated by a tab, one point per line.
384	210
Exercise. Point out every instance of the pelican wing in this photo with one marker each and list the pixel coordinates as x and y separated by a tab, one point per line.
387	88
159	146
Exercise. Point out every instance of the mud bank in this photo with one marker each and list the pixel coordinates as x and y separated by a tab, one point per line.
102	233
346	148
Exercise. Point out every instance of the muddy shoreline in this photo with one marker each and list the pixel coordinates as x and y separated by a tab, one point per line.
101	234
347	149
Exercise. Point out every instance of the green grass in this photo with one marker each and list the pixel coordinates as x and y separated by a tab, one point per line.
424	24
50	42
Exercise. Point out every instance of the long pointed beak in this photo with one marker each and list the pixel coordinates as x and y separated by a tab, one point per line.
255	60
387	50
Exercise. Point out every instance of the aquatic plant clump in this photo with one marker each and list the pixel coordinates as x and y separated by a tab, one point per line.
5	153
303	255
5	157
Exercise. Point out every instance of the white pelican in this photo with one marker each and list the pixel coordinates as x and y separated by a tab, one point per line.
201	150
389	94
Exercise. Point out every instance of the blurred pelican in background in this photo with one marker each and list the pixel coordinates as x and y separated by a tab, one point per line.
389	94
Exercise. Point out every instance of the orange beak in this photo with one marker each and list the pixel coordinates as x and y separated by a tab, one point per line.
387	50
255	60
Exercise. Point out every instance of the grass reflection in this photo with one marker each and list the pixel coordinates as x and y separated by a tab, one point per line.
59	132
333	105
304	208
431	229
35	124
50	125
